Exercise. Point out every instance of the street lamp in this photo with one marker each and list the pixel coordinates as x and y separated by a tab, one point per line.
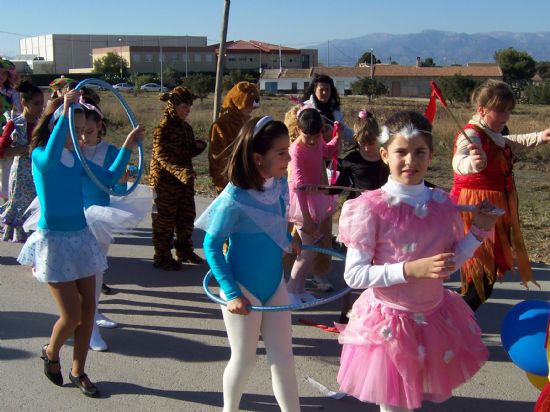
120	44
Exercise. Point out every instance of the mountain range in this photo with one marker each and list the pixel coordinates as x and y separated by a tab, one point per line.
444	47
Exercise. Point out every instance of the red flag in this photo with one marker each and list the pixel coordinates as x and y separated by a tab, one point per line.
432	106
334	171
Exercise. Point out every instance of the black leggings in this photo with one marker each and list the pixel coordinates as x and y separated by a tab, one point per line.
471	296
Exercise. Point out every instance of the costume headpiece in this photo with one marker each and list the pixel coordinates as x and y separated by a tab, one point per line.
408	132
241	96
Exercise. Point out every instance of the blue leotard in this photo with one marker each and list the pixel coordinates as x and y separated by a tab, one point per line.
59	188
257	233
93	195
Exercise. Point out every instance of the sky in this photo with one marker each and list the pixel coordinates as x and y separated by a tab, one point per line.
293	23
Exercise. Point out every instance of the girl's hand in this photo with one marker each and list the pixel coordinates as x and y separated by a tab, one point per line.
125	177
308	188
134	137
238	306
434	267
477	157
310	228
72	96
546	135
482	216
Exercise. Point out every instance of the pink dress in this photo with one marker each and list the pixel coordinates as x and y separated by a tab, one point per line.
306	166
410	341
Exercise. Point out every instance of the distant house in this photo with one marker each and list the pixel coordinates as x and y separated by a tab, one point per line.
401	81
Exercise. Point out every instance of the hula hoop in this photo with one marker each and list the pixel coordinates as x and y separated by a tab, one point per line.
297	306
78	151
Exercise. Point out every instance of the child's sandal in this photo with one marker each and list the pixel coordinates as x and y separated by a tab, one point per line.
56	378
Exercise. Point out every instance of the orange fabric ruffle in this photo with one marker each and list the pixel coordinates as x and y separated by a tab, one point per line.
497	254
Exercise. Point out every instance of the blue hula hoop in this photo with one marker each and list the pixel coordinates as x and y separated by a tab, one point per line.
78	151
280	308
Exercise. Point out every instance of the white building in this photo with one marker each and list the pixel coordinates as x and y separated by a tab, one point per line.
71	51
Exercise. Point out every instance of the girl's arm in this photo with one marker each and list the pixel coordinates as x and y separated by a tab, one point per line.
519	142
48	156
469	157
331	148
5	139
213	251
360	273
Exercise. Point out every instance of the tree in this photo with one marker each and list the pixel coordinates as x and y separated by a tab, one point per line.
457	88
112	67
200	84
543	69
236	76
370	87
139	80
518	67
428	62
365	58
537	93
171	77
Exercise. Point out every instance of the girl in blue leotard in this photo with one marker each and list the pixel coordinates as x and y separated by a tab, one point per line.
63	252
251	212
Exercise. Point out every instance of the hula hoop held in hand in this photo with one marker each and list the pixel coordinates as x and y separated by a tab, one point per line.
78	150
297	306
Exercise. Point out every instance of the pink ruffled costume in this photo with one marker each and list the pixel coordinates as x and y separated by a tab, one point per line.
306	165
407	340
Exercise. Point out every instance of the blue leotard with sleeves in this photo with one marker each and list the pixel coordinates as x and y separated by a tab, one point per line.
59	188
257	233
93	195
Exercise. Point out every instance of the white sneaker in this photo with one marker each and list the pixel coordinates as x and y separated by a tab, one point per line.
104	322
307	297
322	284
96	341
294	298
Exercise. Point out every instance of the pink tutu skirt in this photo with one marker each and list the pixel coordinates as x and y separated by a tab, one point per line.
400	358
320	207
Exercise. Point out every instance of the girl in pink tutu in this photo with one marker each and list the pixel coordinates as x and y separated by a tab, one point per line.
408	338
308	206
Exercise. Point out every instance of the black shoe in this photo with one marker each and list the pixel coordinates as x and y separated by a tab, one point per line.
55	378
106	290
90	391
192	258
169	264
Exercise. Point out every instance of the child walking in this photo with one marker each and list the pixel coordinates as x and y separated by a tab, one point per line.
251	213
14	143
408	338
102	215
308	205
363	167
483	170
63	252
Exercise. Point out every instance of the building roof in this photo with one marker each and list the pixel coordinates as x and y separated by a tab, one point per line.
253	46
393	70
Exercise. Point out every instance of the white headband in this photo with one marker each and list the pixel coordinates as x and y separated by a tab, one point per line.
261	124
408	132
57	114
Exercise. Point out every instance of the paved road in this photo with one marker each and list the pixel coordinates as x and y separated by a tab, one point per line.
171	348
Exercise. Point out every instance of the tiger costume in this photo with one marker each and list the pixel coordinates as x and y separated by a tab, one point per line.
172	177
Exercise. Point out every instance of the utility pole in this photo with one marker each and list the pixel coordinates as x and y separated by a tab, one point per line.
221	60
161	70
186	53
371	63
280	60
328	53
120	47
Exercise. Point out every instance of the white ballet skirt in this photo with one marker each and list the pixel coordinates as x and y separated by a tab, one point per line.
121	216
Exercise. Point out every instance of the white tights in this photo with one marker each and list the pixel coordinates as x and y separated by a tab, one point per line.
243	333
302	264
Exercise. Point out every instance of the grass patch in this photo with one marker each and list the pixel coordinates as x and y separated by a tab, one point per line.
531	167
